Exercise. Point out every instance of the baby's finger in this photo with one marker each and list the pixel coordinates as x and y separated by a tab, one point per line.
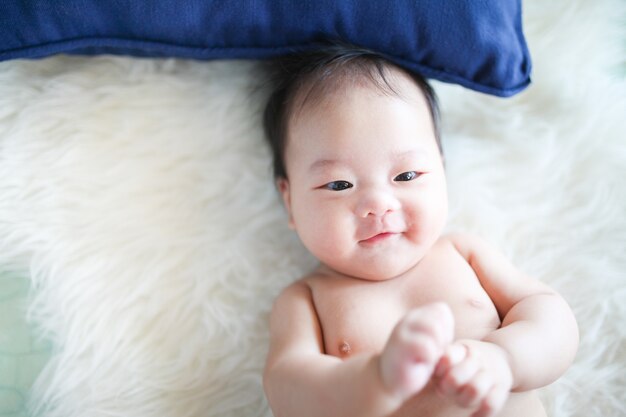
420	348
453	356
458	376
473	393
434	319
493	402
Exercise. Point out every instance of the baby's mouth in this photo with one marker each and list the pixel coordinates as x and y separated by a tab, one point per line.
378	238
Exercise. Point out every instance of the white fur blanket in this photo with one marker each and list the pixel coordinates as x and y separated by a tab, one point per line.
137	198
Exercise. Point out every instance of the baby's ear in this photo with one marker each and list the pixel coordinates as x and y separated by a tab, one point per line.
283	186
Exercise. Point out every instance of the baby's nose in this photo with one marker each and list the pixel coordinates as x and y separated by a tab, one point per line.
377	203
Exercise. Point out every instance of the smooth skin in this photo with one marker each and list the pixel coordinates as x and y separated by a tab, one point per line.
398	319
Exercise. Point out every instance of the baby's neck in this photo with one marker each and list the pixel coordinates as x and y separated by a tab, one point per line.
325	270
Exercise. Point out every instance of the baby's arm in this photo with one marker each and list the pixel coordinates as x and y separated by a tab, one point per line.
300	380
538	336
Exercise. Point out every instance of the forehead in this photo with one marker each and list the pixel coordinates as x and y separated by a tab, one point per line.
323	89
360	114
361	124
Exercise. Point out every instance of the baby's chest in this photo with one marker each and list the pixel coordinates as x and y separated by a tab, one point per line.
359	318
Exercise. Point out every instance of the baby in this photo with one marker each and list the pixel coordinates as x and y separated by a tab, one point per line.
397	319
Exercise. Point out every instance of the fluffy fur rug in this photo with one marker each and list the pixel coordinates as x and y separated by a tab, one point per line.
137	197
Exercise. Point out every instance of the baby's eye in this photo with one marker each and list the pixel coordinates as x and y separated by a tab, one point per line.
338	185
407	176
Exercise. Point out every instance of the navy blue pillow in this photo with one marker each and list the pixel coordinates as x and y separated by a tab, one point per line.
475	43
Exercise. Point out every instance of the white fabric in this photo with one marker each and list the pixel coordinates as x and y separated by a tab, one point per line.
137	195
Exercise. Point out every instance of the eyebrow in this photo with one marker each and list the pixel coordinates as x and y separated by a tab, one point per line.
417	153
324	163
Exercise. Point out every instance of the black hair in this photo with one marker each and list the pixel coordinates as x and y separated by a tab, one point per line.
322	69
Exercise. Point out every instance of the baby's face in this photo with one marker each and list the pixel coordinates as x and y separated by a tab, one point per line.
366	191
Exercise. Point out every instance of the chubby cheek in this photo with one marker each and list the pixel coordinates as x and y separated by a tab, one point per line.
324	231
426	218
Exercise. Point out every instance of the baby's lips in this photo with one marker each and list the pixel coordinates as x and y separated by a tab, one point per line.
373	234
389	224
377	237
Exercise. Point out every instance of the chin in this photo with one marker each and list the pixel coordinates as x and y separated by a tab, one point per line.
382	266
382	271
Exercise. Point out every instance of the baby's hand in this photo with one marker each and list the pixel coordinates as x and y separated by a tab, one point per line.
414	348
475	375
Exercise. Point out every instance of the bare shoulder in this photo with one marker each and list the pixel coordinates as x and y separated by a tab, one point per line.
461	245
466	243
294	299
476	249
505	283
298	290
294	325
300	294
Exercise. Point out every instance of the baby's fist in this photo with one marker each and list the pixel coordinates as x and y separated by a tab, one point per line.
415	347
475	375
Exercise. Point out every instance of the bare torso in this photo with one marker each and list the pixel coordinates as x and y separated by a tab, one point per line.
358	316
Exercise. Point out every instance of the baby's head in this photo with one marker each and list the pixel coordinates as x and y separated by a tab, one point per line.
309	77
357	159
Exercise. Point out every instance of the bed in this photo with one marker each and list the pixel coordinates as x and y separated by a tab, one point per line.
142	241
